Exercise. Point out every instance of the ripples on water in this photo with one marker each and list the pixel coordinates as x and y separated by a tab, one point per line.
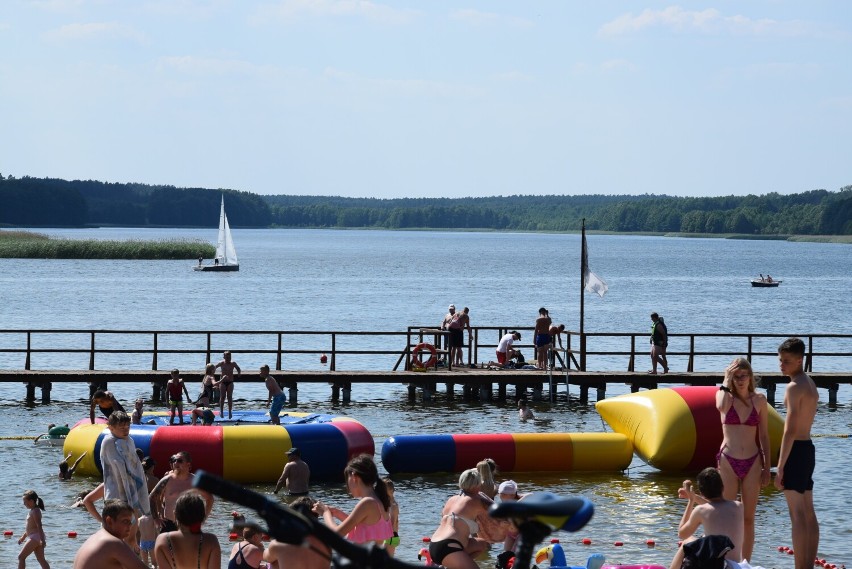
387	281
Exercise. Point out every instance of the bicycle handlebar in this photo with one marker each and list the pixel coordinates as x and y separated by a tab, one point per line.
289	526
536	516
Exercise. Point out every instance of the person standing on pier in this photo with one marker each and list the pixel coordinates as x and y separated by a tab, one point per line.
105	402
541	337
464	322
445	325
226	383
659	341
276	395
797	458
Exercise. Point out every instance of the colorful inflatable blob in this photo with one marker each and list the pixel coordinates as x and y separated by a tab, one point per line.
676	429
518	452
242	453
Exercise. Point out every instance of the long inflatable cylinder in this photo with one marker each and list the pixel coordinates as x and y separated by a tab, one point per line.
243	453
519	452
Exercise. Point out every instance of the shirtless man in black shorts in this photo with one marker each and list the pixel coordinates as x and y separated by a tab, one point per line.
226	383
797	458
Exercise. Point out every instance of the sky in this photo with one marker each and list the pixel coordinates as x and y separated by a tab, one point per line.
373	98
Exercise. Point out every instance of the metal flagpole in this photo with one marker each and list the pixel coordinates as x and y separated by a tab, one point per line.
582	299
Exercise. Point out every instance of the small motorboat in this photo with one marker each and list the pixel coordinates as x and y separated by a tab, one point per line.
764	282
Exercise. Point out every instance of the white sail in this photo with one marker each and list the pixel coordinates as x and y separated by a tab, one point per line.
226	253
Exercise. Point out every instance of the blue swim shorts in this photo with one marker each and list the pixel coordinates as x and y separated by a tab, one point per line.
277	403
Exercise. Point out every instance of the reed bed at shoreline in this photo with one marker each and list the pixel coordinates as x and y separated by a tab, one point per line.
29	245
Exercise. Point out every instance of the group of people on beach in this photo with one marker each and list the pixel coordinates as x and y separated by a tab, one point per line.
150	522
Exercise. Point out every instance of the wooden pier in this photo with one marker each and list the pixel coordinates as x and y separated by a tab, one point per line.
482	384
39	355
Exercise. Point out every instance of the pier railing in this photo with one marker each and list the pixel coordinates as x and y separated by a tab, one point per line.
371	350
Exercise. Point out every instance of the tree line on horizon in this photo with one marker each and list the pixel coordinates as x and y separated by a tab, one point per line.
46	202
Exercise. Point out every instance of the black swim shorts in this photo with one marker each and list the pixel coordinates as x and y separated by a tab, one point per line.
799	468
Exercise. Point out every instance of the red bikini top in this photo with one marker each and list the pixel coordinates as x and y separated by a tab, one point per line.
732	418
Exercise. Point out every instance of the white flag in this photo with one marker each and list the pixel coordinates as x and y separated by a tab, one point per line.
591	281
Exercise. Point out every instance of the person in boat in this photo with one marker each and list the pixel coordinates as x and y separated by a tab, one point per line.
743	459
769	278
106	404
762	278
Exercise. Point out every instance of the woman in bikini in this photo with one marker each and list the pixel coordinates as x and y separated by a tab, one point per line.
370	520
743	459
188	547
248	553
226	383
34	534
454	544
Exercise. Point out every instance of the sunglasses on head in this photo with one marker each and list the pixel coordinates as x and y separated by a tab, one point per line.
176	459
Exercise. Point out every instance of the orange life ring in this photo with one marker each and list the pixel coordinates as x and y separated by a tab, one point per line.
415	355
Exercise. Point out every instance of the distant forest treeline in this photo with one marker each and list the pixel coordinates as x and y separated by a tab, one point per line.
35	202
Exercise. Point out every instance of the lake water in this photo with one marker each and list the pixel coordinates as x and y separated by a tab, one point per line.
378	280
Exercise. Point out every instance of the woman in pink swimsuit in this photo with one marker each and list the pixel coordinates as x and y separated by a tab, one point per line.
370	519
744	457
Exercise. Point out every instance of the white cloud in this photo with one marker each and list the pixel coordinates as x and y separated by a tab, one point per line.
618	65
289	10
207	66
479	18
709	21
94	31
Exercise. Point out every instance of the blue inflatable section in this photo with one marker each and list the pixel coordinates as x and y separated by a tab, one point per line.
323	447
161	418
436	451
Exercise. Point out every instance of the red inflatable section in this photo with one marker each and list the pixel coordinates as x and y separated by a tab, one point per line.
358	439
204	445
500	447
702	403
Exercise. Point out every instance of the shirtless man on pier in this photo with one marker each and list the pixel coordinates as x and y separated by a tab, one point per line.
226	383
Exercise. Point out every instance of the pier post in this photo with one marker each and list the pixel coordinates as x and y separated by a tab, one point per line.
412	393
584	394
601	393
832	394
427	392
466	392
484	392
770	392
335	392
501	391
536	392
30	392
294	395
347	392
451	391
47	386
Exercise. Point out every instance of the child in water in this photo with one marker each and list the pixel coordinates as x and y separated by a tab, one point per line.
392	542
34	534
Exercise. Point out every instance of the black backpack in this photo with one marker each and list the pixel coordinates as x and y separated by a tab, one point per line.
707	552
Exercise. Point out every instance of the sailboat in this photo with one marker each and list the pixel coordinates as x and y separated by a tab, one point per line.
226	254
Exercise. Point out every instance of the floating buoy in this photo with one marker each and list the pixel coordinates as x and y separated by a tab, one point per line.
8	533
233	536
587	541
790	551
650	543
72	534
323	359
619	543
